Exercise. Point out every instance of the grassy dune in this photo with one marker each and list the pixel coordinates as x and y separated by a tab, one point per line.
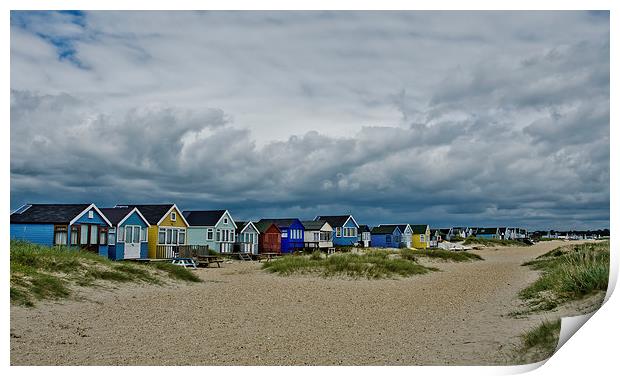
539	343
494	242
440	254
39	272
371	265
568	273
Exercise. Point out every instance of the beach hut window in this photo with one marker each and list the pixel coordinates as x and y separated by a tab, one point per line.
284	234
93	234
181	236
161	236
210	234
388	238
421	238
174	237
338	231
121	234
60	235
142	234
74	235
90	214
173	216
128	233
111	236
103	235
217	235
136	234
225	220
84	234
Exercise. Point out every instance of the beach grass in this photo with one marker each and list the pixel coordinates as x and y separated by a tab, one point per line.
540	342
568	273
177	272
373	264
471	240
40	272
440	254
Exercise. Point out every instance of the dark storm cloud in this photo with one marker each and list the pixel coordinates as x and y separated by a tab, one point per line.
447	118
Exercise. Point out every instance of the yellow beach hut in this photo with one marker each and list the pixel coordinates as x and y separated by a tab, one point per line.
420	236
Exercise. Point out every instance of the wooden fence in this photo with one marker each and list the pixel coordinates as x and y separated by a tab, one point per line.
171	251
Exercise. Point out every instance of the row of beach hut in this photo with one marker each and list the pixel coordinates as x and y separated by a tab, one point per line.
128	231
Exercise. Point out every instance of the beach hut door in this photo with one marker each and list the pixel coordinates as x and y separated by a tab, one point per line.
132	242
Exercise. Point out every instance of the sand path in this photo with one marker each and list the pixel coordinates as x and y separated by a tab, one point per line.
244	316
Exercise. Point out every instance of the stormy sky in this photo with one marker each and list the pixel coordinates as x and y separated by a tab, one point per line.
446	118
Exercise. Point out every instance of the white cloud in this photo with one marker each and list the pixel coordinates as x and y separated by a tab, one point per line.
498	116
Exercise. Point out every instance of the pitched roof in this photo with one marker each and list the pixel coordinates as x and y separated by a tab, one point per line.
48	213
242	224
418	229
115	215
280	222
333	220
264	226
152	212
313	225
203	217
402	228
384	229
364	228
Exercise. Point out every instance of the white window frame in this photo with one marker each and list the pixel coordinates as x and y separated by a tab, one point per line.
225	220
111	232
338	232
91	214
120	234
170	233
184	232
173	216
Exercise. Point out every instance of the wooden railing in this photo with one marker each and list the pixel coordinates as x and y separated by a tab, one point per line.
171	251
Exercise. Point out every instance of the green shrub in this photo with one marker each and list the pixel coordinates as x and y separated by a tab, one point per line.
316	255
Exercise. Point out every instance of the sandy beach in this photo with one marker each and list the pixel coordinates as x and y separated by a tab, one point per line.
242	315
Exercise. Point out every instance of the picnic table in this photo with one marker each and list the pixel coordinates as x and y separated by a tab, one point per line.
208	260
184	262
268	256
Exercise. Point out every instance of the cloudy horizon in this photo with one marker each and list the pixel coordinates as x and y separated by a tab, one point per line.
445	118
